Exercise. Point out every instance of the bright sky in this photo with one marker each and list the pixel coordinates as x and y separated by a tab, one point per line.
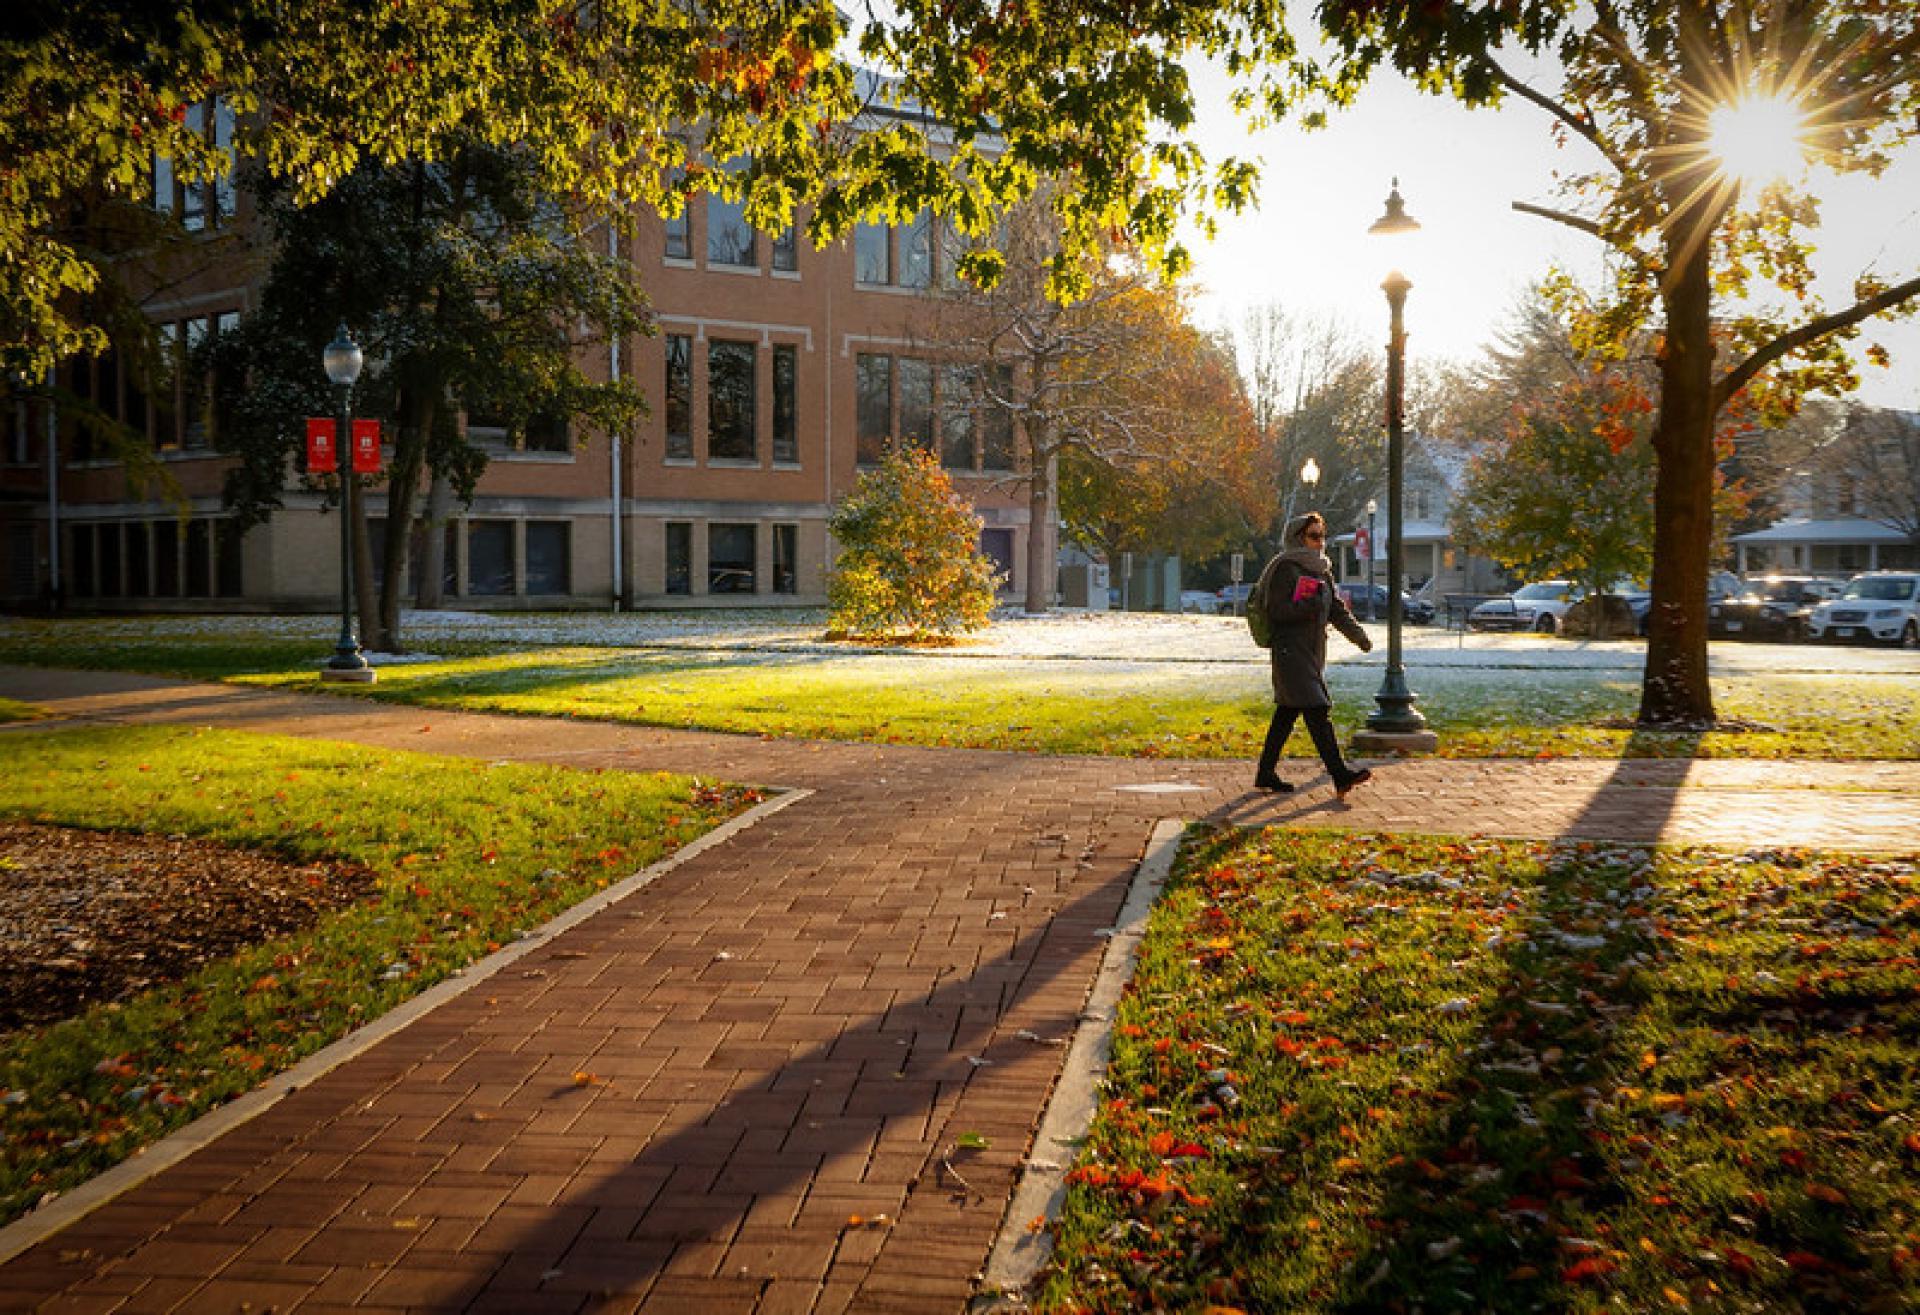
1306	246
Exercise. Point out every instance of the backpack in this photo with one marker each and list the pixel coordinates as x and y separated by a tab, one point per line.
1257	623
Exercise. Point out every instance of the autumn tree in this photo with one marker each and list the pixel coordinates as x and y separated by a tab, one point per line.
1638	86
470	290
599	97
1119	378
909	562
1567	491
1193	489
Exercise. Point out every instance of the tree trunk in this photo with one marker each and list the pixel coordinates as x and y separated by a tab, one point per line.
1040	518
403	480
433	535
1674	689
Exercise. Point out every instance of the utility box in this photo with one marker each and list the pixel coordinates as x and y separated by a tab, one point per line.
1084	584
1155	585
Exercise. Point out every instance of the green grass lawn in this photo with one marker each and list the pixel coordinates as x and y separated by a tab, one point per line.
1371	1073
466	856
1134	709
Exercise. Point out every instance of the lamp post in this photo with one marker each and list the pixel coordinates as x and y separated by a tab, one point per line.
1373	609
342	359
1395	725
1310	476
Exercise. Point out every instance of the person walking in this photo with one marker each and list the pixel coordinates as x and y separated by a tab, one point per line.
1301	603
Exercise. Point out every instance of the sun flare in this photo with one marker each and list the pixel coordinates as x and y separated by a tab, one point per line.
1759	139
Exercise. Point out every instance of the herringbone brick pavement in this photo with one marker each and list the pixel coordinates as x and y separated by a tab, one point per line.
785	1034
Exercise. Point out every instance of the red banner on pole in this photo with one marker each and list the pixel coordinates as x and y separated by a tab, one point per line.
321	446
1362	543
366	447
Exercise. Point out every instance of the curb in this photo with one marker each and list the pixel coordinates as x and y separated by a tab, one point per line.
69	1207
1019	1251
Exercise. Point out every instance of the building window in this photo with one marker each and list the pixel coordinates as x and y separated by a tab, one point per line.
890	257
228	582
546	432
166	558
111	584
916	401
786	250
996	422
956	417
786	542
679	557
730	238
679	233
549	557
872	254
731	402
139	573
199	583
201	204
997	547
489	558
680	396
80	562
873	418
916	252
786	407
730	559
165	389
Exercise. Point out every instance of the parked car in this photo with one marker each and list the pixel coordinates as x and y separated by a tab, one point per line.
1538	607
1720	584
1233	598
1776	607
1199	600
1882	605
1416	610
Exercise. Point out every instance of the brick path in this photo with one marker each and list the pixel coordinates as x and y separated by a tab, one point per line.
786	1026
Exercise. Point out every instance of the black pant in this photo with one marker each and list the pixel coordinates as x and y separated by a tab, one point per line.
1319	726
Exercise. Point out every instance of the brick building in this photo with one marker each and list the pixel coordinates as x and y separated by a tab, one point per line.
778	370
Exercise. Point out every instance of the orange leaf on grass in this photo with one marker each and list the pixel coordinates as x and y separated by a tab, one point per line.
1588	1268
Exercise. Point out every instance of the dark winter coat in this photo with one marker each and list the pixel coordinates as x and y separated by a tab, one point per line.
1300	633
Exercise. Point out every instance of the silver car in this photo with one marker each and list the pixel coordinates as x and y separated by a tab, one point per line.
1881	605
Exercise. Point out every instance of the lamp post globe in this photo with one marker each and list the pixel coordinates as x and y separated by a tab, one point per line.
1395	725
341	359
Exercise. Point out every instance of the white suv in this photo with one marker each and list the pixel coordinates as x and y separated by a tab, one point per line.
1883	605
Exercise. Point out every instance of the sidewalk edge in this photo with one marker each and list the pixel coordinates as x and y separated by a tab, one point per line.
69	1207
1019	1251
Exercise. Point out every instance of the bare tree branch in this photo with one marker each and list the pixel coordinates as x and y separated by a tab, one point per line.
1579	123
1580	222
1742	374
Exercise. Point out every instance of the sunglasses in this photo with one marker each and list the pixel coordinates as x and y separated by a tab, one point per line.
1314	536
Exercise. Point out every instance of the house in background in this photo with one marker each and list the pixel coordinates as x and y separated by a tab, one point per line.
1432	563
1856	507
779	372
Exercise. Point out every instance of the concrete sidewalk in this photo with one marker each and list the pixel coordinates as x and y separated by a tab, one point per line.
786	1031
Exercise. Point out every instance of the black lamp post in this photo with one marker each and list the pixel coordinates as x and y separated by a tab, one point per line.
1395	726
342	362
1373	607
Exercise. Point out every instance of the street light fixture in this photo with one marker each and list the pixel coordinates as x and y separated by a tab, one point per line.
342	361
1310	476
1395	726
1373	607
